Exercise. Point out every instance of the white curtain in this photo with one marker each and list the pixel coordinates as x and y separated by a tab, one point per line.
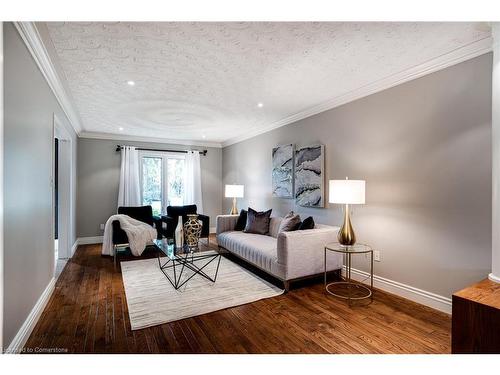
129	193
192	180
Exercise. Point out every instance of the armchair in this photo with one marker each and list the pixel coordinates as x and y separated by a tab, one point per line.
142	213
172	216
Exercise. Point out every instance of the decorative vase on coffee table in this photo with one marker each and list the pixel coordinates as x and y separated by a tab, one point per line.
192	231
179	235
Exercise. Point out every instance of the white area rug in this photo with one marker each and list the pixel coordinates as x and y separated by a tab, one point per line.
152	300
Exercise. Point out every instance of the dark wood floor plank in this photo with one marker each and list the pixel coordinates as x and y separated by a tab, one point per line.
88	313
257	333
121	338
223	339
81	309
201	337
341	325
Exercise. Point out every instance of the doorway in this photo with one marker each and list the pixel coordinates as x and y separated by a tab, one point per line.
56	197
62	197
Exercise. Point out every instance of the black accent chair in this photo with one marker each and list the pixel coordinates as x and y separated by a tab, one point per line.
142	213
173	213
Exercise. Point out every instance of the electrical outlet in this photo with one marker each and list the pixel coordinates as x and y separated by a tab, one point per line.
376	255
102	226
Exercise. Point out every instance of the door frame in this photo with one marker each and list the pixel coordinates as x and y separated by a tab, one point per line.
65	188
1	186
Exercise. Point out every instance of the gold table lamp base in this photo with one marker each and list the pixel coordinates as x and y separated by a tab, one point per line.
346	234
234	209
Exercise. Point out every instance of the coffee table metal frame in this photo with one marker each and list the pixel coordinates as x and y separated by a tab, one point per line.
187	259
348	251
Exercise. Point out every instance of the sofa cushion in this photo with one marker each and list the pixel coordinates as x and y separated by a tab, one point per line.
308	223
242	220
290	222
255	248
274	226
257	222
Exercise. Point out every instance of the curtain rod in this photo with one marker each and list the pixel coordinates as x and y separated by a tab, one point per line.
203	152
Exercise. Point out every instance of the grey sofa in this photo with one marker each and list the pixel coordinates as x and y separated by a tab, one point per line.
288	256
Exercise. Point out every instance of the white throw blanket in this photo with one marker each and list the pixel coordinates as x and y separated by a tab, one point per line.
138	233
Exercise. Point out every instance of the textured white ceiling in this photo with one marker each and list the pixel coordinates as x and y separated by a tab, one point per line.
202	81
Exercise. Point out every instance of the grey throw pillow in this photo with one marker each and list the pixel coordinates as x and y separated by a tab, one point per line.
257	222
290	222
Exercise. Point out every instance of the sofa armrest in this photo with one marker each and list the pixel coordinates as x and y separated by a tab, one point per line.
119	235
302	251
158	224
170	224
225	223
167	219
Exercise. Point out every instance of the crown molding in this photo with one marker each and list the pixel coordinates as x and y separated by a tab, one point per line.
133	138
454	57
31	37
495	33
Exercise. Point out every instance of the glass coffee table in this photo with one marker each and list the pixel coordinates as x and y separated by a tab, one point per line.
185	261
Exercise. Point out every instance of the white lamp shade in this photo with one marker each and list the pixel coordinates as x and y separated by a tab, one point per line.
347	191
234	191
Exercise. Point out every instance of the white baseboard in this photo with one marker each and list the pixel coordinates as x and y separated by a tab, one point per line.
89	240
24	332
406	291
213	229
73	248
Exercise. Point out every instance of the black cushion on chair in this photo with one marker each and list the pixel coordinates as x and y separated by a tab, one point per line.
176	211
173	213
143	213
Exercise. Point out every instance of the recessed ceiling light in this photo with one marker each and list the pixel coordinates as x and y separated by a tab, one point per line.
131	83
260	105
120	129
203	136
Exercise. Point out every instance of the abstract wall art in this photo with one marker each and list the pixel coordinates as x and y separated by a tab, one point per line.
282	171
309	176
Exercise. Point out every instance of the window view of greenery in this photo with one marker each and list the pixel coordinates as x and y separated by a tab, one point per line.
175	179
151	183
152	180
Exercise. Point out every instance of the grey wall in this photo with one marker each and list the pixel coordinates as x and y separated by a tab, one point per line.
99	174
424	149
29	106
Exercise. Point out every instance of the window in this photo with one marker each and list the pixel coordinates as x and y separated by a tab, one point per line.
162	180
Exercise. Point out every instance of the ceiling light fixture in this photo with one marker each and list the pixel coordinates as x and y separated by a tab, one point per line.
260	105
131	83
203	136
120	129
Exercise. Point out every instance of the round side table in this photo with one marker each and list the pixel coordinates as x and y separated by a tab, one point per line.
346	289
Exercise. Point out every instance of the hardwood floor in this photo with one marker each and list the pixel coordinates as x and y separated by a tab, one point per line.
88	314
